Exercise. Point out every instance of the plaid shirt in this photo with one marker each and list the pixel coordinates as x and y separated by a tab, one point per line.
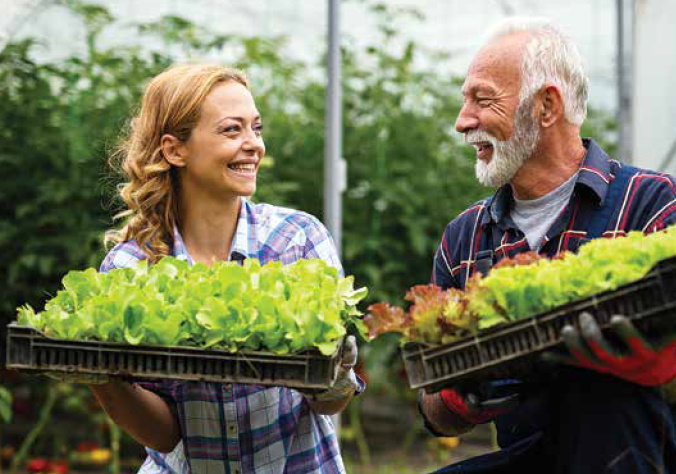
486	230
247	428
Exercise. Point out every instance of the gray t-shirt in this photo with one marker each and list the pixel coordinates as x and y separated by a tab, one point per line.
535	216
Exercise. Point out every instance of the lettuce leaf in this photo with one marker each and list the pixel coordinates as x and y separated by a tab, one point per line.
522	287
274	307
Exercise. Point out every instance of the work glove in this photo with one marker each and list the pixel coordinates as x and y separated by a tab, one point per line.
475	409
637	361
346	382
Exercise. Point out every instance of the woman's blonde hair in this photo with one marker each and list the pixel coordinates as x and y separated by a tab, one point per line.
171	104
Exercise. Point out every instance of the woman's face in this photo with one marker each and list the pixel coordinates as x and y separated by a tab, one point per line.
224	150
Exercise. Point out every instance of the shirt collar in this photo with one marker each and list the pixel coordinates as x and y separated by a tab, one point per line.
180	251
594	173
595	170
498	205
242	246
243	242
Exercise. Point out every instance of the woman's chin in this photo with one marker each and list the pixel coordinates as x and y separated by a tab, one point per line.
235	193
248	191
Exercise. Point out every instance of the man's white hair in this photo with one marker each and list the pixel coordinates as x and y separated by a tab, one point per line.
550	56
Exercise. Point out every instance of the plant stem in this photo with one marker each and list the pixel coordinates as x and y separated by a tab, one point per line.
43	418
1	448
114	446
359	437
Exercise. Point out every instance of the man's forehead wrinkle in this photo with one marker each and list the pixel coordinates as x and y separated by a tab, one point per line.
473	86
496	67
491	78
503	52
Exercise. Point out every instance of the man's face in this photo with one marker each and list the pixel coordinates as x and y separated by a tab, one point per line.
492	119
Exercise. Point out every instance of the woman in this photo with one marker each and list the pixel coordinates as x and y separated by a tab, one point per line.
191	160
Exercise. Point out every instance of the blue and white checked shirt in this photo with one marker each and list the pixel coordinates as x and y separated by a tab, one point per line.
246	428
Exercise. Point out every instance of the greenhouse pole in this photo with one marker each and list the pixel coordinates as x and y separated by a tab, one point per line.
625	80
334	165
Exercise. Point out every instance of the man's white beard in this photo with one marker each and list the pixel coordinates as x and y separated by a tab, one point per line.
508	155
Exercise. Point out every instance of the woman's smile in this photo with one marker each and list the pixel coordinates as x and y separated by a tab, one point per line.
245	169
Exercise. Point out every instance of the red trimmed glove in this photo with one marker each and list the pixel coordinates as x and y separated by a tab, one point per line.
641	362
470	409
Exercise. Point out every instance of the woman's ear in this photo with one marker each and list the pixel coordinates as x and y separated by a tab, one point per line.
173	150
549	108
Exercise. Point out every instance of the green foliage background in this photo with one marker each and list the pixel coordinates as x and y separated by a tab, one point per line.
408	173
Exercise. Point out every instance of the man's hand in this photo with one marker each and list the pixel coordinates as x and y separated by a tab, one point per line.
471	409
346	383
640	362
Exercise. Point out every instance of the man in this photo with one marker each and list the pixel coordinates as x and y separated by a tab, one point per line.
605	412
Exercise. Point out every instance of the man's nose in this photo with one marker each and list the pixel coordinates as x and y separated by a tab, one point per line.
466	120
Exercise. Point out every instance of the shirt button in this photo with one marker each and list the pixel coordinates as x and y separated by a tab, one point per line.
232	428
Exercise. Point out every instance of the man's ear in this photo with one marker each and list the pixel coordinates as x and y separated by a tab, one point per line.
549	105
173	150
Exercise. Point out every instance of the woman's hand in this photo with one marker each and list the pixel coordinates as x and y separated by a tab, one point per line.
335	398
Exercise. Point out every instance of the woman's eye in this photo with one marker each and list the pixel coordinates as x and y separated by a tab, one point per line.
258	129
231	129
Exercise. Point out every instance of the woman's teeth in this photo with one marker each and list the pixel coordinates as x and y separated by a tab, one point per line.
243	167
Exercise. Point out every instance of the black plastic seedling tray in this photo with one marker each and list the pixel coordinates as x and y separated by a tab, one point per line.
29	350
512	350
